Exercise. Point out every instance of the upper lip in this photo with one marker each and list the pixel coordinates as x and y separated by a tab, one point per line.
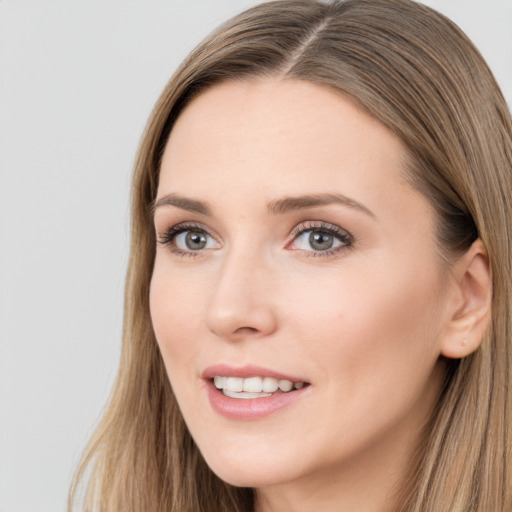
225	370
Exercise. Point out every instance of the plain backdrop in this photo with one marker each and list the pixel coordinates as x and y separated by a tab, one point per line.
77	82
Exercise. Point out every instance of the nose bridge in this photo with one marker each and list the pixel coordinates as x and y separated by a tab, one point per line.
240	303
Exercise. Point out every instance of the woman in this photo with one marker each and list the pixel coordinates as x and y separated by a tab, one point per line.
318	297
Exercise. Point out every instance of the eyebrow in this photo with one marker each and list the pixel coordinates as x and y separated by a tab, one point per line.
182	202
289	204
276	207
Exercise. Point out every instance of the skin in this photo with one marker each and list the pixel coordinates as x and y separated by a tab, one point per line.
364	325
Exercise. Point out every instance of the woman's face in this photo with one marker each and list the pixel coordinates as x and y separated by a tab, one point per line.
292	252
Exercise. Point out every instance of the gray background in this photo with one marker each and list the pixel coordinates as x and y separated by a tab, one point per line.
77	82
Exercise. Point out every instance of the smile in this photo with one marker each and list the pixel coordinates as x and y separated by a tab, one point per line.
254	387
252	392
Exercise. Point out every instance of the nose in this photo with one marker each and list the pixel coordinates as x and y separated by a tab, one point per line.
240	304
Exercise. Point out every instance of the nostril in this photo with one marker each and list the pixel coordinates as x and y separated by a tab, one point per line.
246	330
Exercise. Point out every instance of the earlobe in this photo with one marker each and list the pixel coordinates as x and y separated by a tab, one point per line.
471	312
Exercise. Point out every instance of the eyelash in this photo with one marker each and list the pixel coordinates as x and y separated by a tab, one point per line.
168	239
346	239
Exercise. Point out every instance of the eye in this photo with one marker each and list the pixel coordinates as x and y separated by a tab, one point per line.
193	240
320	238
188	239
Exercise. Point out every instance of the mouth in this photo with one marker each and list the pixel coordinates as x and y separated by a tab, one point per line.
255	387
246	393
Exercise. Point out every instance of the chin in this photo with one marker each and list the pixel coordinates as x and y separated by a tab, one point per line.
250	468
249	477
245	479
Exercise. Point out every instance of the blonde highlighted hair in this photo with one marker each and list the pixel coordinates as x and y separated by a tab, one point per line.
419	75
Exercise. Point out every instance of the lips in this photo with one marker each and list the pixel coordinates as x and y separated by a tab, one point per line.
250	392
246	372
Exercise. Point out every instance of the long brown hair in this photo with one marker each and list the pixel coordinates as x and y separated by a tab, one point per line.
418	74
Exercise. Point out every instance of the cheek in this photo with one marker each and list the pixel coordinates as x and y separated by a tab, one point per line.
376	298
174	307
370	328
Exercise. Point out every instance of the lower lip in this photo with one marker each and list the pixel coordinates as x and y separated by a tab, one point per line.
252	408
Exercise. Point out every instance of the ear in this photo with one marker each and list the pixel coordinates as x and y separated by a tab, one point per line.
470	313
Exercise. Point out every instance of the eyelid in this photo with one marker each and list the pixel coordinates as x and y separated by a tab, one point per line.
168	237
341	234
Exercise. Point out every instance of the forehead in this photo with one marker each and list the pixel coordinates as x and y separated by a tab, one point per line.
271	137
290	111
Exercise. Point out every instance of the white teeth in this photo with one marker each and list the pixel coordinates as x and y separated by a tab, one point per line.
270	384
220	382
285	385
234	384
253	387
243	394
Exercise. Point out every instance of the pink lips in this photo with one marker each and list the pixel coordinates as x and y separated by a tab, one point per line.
252	409
245	372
